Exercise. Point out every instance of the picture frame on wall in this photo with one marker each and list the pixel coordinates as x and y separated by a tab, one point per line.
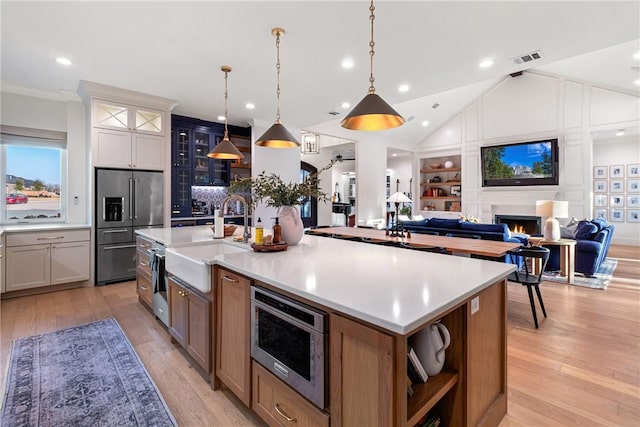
633	215
600	213
616	215
600	200
599	172
633	171
616	186
633	186
616	201
616	171
599	186
633	201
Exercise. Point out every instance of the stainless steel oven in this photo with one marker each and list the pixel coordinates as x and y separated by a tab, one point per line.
290	340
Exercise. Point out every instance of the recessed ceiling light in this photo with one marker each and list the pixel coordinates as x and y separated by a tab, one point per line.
620	132
637	82
394	155
345	105
221	118
425	123
403	88
486	63
347	63
636	55
63	61
250	106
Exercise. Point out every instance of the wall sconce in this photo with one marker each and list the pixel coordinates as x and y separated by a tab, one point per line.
310	142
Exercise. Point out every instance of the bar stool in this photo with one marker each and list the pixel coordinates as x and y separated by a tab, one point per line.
525	256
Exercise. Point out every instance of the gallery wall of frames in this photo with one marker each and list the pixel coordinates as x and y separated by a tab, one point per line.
616	192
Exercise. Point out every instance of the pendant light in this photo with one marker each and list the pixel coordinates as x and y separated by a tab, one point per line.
372	113
277	136
225	150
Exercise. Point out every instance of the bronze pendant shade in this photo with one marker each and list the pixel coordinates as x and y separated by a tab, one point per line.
225	150
372	113
277	136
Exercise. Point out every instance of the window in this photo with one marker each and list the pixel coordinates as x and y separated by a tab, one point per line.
32	187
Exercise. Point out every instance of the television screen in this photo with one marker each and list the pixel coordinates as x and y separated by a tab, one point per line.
525	163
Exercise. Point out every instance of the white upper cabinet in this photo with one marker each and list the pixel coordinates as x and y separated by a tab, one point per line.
129	137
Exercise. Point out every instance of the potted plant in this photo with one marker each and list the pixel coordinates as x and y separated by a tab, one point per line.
286	197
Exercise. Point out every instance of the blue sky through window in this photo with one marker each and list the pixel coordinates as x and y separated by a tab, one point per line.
34	163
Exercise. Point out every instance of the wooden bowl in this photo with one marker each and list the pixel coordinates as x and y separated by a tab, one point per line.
435	165
228	230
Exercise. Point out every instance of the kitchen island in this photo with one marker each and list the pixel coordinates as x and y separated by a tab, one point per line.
378	299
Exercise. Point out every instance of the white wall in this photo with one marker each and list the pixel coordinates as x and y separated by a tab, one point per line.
64	116
529	107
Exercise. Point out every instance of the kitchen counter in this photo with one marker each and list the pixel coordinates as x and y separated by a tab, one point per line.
22	228
197	217
184	236
396	289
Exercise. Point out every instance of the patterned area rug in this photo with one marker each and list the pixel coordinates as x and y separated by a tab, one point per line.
88	375
600	280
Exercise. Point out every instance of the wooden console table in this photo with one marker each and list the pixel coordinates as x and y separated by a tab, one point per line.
567	255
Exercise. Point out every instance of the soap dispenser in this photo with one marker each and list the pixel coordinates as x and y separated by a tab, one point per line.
259	232
277	232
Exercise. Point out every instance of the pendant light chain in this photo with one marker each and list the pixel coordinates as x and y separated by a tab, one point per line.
226	112
372	52
278	74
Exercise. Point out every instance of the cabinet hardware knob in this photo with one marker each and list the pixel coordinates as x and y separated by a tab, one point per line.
282	414
230	279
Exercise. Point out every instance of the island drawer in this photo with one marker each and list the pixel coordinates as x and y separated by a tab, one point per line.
278	405
144	288
142	262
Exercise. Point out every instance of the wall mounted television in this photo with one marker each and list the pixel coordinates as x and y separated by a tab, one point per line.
522	163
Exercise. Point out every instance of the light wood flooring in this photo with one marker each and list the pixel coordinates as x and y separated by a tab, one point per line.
581	367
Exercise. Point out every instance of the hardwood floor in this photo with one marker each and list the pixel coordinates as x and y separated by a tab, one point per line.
581	367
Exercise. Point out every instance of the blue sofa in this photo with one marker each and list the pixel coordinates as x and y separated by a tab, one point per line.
442	226
593	239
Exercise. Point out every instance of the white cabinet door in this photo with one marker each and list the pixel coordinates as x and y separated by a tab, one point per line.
112	148
69	262
148	152
28	267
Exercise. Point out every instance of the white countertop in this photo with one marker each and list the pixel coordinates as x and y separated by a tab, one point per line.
183	236
396	289
21	228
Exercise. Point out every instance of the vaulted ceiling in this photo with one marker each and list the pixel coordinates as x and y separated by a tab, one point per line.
175	50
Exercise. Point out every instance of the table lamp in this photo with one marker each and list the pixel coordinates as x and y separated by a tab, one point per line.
552	209
397	198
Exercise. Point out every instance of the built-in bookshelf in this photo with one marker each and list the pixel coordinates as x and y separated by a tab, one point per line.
441	184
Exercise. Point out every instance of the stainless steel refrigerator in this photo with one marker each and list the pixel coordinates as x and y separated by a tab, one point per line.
125	201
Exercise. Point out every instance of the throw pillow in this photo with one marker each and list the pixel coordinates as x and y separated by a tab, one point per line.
569	231
585	230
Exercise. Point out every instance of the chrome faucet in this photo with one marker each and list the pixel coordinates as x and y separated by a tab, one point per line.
247	233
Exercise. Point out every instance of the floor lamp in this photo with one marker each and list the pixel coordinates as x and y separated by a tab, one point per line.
552	209
397	198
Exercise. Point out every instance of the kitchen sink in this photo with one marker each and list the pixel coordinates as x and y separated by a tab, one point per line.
192	264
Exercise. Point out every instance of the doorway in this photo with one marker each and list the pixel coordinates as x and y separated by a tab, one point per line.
309	205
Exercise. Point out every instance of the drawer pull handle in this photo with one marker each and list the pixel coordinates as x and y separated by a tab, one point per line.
283	415
145	264
144	288
51	238
230	279
114	231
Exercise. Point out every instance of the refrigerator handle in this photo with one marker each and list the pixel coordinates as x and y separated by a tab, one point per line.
130	198
135	198
104	209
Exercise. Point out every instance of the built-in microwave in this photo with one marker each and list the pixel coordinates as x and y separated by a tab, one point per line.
289	338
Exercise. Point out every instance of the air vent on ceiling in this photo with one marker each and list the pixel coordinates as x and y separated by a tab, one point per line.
334	113
527	57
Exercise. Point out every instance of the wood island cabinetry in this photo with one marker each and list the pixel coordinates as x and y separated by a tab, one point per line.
233	334
190	322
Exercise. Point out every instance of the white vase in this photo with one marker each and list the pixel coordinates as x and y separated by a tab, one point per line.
291	223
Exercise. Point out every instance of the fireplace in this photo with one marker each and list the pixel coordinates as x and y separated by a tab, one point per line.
531	225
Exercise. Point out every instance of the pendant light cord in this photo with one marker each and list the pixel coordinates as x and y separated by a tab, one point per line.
278	76
372	52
